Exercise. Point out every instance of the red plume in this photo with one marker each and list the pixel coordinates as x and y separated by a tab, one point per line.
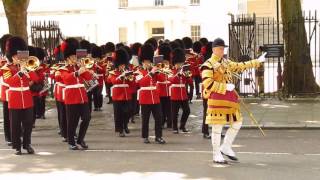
114	56
56	51
7	46
64	46
139	52
203	50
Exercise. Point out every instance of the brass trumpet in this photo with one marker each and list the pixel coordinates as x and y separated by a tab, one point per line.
87	62
32	63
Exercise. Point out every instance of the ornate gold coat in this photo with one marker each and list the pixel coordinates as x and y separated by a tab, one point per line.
223	105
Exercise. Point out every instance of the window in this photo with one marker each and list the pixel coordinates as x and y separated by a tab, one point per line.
195	32
158	33
123	3
195	2
158	2
123	35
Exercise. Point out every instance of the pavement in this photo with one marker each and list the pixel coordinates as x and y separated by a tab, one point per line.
290	149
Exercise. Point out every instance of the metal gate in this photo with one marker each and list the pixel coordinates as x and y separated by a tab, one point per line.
46	35
248	34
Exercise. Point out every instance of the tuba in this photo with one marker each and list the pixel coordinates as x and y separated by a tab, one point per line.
46	84
88	63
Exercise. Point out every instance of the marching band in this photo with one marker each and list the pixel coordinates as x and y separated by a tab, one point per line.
153	77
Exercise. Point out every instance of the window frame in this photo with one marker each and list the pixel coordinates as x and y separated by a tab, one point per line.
123	4
195	2
195	32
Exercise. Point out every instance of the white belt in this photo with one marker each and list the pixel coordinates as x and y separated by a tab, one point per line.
150	88
75	86
176	86
99	75
164	82
18	89
118	86
147	88
58	84
4	84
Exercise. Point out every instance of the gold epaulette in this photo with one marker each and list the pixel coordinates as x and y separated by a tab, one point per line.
112	72
5	67
63	68
7	74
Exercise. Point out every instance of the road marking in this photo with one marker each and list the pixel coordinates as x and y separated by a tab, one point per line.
182	151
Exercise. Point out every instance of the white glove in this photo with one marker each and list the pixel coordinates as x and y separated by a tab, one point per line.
121	76
230	87
262	58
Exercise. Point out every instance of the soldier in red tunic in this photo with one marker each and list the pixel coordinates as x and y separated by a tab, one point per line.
43	73
109	50
74	94
178	90
55	74
99	71
135	66
163	85
148	95
19	96
121	80
3	88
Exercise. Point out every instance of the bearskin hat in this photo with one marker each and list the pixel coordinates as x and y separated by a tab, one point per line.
13	45
197	47
173	45
208	50
126	48
32	51
110	47
147	52
84	44
121	57
180	42
178	56
41	53
165	50
153	42
187	42
119	45
204	41
3	41
69	47
96	52
135	48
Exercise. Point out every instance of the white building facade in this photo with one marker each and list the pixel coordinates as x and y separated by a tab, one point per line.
129	21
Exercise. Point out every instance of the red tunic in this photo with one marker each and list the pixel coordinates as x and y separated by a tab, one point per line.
195	62
121	90
4	83
178	91
58	86
148	93
74	91
163	85
19	95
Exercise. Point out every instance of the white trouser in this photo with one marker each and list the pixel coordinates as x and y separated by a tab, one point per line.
215	140
231	134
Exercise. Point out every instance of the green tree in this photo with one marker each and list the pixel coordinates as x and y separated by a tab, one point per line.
298	76
16	12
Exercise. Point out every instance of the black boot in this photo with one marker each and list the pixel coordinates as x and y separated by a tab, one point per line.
29	149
